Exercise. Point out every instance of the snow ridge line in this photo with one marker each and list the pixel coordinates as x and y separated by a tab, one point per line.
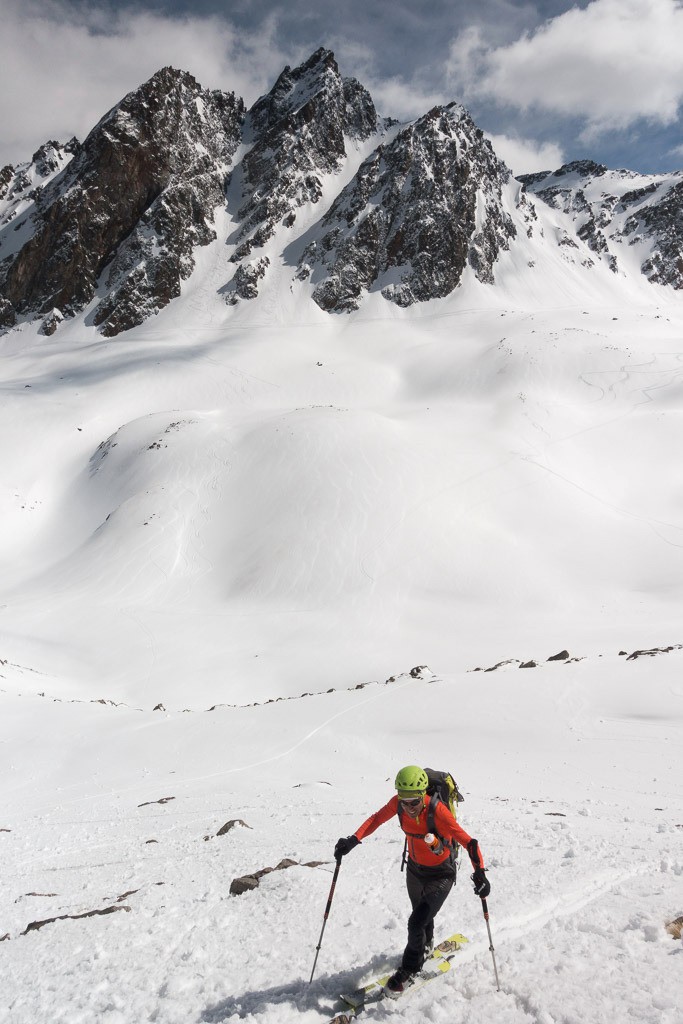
414	674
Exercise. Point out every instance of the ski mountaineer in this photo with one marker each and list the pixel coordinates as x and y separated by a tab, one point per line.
430	875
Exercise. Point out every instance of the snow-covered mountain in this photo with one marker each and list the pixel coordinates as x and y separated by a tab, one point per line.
115	229
326	446
633	222
310	181
363	331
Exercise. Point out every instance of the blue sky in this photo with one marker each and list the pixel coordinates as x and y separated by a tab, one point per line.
549	81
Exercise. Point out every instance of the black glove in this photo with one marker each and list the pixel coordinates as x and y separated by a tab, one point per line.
344	846
482	886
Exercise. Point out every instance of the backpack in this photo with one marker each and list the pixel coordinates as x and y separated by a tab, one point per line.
442	787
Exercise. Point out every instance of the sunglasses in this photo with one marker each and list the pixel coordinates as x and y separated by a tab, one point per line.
416	802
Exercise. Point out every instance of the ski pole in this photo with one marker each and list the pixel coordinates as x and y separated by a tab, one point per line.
485	908
327	914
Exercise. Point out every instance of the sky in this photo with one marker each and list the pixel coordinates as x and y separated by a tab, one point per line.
549	81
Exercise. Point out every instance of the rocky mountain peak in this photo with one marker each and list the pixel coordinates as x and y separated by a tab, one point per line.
295	89
17	182
135	200
298	133
314	89
624	217
311	179
421	208
585	168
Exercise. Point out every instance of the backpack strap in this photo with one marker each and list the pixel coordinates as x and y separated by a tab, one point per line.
451	846
431	810
435	799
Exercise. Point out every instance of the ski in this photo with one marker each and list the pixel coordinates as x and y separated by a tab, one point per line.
437	963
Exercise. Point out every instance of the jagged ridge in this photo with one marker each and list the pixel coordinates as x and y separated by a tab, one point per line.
611	209
109	228
137	197
412	208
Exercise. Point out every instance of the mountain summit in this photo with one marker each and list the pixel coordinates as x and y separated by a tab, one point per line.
310	183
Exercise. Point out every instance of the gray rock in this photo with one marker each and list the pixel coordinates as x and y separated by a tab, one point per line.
650	213
298	132
224	829
130	207
410	213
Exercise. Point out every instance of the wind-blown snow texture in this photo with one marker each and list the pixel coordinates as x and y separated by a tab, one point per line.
243	499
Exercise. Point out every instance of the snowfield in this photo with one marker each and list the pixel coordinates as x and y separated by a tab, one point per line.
571	773
277	514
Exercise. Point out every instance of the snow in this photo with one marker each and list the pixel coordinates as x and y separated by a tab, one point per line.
571	780
232	508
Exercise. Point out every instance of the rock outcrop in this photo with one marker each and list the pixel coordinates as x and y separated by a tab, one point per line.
246	883
420	209
310	182
615	211
129	208
298	134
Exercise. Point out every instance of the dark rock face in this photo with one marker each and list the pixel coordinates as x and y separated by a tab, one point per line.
136	199
664	220
109	228
411	210
582	167
298	131
244	284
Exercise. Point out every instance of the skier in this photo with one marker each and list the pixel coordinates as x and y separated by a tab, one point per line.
431	870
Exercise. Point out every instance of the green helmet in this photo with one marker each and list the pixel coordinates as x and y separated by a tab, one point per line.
411	781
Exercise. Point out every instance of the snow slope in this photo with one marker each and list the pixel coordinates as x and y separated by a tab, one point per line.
571	774
230	506
252	507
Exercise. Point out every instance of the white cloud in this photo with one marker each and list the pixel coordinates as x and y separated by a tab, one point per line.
394	97
63	68
524	156
611	64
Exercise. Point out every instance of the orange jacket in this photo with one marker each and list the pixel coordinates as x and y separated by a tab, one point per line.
416	828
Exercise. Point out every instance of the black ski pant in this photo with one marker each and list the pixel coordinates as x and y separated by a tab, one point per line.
427	896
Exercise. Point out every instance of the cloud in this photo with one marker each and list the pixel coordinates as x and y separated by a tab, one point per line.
63	67
524	156
395	97
610	64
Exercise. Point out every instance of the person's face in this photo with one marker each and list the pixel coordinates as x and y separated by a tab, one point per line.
413	805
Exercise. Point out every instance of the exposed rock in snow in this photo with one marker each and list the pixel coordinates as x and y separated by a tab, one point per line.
420	208
224	829
298	132
610	208
35	925
244	284
51	322
246	883
110	228
133	203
